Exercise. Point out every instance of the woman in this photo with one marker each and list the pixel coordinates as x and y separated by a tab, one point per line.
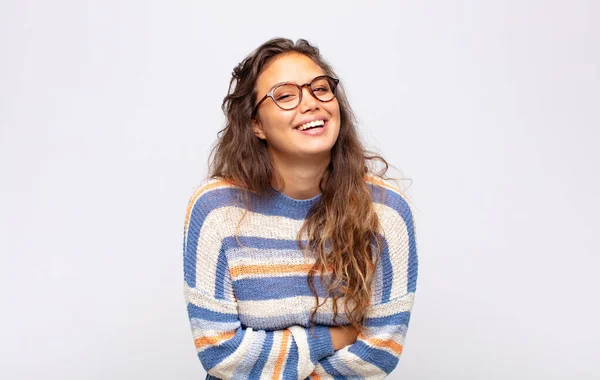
299	262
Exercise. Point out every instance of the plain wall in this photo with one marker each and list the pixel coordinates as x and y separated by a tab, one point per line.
108	110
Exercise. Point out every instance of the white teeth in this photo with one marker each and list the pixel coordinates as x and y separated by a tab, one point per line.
311	124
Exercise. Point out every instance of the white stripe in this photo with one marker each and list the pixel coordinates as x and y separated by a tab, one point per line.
258	225
339	366
244	368
305	366
398	247
289	257
278	308
356	364
269	367
393	332
197	297
279	275
393	307
267	254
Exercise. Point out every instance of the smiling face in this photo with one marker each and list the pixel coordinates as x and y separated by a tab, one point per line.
279	127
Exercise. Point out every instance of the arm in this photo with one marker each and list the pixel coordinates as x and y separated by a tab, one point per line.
342	336
225	347
377	351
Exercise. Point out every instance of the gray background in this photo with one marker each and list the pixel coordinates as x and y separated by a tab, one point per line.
108	110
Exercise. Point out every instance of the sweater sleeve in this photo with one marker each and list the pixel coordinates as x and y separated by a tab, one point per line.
376	352
226	348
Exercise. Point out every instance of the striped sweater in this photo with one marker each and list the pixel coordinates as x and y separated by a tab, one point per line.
249	303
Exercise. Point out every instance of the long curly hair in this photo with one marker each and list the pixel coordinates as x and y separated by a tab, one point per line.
343	225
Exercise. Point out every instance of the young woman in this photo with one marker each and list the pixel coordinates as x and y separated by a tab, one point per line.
299	261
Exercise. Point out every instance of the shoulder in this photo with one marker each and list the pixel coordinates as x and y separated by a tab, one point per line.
386	195
209	195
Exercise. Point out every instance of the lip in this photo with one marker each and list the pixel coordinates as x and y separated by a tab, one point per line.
308	120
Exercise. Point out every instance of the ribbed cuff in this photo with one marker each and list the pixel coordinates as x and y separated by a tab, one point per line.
320	343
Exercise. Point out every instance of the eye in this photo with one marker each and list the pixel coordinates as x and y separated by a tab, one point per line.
285	93
286	98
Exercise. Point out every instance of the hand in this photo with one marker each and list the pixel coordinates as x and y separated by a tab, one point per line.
342	336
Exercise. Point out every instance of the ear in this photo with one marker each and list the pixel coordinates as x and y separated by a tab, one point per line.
258	131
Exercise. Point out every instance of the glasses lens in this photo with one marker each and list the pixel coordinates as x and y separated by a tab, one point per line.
323	88
287	96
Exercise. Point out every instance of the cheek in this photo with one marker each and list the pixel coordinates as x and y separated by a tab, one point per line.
283	119
276	122
333	108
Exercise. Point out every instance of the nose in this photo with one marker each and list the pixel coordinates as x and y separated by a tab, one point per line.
308	102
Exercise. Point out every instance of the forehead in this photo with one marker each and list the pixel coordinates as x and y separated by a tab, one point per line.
291	67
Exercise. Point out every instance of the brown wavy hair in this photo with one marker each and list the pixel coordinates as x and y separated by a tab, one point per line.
343	224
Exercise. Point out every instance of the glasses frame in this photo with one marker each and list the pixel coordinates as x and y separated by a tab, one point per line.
300	86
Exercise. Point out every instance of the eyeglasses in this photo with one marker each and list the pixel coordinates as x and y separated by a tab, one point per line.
288	95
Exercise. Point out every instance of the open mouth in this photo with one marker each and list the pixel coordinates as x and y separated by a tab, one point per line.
312	125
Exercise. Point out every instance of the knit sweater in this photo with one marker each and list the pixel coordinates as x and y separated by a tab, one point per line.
248	300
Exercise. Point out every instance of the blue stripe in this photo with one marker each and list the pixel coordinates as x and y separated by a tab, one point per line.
382	359
291	365
320	344
270	204
197	217
214	355
413	260
204	324
271	288
402	318
262	359
230	242
330	370
387	272
378	282
195	311
222	273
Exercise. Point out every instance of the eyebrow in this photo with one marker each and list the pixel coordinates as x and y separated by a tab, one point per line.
277	84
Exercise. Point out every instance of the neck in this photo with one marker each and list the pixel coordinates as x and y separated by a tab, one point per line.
300	178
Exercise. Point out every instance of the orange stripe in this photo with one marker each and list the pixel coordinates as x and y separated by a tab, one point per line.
377	181
387	343
315	376
271	269
199	192
212	340
282	354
